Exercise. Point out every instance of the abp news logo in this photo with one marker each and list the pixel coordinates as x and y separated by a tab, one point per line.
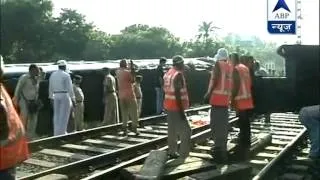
282	16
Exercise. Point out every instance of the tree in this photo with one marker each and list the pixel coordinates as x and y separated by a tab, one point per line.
29	33
73	34
205	30
98	46
23	28
142	41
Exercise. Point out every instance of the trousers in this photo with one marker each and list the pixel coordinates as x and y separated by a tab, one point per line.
139	104
219	123
111	111
61	113
178	128
8	174
310	118
129	110
78	116
245	129
159	101
30	120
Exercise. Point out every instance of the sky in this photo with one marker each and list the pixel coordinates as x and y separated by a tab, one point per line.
182	17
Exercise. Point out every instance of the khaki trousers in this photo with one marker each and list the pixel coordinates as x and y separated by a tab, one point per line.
139	104
30	120
178	128
111	112
78	116
129	110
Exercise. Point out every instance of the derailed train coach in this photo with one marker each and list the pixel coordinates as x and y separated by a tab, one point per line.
197	76
300	87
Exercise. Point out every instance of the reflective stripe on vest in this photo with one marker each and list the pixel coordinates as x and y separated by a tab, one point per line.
221	93
15	149
170	98
244	98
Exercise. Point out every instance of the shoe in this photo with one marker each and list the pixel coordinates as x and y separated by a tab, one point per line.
219	157
173	155
135	130
125	132
137	133
241	154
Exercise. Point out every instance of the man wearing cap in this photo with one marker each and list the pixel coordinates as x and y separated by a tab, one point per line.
78	109
61	95
110	99
176	101
26	98
219	92
127	99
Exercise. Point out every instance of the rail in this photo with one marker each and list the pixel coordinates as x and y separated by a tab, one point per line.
267	171
79	135
108	158
115	169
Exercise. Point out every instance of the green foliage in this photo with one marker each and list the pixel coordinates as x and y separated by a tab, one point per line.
29	33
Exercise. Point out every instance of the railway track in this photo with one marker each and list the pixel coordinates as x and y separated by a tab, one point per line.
291	161
287	133
88	150
284	158
298	167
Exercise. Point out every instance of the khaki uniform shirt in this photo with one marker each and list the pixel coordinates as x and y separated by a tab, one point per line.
78	93
109	84
27	88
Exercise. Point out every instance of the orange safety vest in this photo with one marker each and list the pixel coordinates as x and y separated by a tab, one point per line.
170	102
221	94
243	99
14	149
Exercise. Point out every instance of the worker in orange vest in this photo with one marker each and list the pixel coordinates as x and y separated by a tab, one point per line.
13	143
219	92
176	100
242	102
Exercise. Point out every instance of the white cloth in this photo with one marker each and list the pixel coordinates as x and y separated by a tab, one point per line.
60	81
61	108
61	91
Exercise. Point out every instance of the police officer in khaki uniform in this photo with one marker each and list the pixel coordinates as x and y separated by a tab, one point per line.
79	105
25	94
111	112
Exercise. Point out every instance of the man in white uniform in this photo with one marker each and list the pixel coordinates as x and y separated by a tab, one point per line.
61	95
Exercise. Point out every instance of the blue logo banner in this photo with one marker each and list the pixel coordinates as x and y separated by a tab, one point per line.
281	16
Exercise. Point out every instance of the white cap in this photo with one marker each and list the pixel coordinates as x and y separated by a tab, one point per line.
62	63
222	54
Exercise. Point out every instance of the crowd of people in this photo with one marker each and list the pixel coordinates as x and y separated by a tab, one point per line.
230	85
